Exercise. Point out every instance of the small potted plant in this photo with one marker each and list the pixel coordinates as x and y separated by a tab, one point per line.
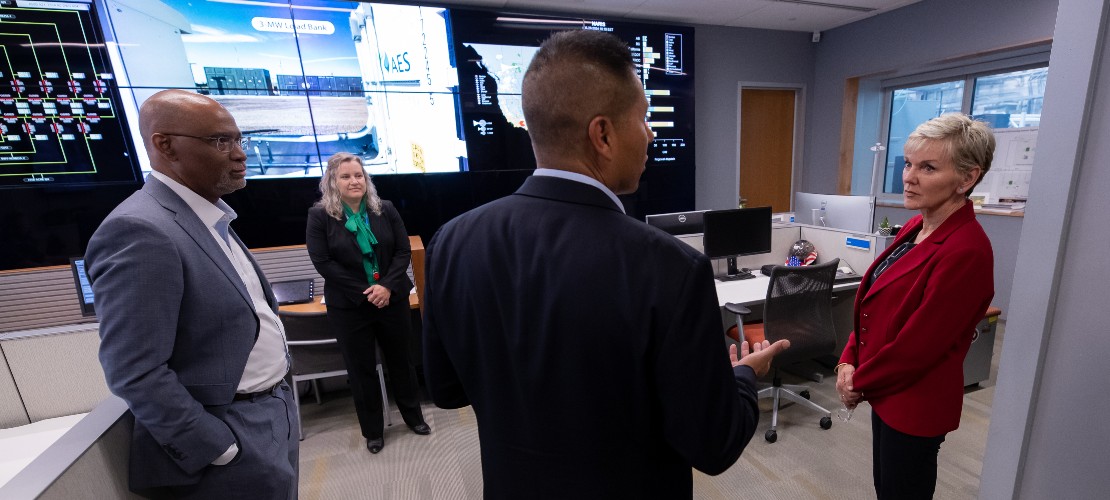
884	227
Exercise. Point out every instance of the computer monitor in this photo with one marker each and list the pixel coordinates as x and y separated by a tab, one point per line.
853	213
294	291
84	286
677	223
736	232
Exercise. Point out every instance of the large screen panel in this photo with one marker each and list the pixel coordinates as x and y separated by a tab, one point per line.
60	110
304	79
494	50
307	78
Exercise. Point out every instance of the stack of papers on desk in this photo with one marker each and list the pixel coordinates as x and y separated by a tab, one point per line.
1004	207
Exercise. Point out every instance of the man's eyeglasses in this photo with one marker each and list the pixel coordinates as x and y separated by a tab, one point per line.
223	143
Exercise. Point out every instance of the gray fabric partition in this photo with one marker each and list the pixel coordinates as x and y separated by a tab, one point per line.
56	370
89	461
12	412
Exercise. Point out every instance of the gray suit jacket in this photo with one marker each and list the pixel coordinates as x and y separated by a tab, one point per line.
176	327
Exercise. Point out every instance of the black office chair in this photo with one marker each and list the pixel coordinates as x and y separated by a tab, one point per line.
799	309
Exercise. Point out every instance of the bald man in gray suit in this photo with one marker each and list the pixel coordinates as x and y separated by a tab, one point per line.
190	337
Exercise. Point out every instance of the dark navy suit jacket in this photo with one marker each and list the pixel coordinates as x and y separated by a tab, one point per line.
589	344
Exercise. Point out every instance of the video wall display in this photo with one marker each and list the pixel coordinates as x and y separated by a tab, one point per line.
410	89
305	79
60	109
494	50
413	90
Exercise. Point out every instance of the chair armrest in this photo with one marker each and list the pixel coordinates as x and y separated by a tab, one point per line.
735	308
310	342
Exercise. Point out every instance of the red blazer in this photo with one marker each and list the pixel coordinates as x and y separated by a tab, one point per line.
913	325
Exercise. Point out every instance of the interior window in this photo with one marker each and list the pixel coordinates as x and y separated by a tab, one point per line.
1010	100
909	107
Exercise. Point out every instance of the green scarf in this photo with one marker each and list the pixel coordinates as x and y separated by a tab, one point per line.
359	224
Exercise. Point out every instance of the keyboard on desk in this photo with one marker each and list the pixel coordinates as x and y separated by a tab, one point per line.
846	277
734	277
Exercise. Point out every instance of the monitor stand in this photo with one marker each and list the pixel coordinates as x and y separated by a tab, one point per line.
734	273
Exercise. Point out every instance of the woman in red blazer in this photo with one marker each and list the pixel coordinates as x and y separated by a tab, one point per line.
917	308
358	243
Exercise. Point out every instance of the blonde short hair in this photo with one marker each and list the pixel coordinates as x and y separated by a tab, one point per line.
329	192
969	143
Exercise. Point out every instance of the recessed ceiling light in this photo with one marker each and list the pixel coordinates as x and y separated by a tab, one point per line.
830	5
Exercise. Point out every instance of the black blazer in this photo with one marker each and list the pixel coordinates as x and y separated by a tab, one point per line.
590	345
335	253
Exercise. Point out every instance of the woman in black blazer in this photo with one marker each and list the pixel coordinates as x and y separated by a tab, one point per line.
358	243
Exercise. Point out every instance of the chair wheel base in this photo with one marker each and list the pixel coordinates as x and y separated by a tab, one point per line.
826	423
771	436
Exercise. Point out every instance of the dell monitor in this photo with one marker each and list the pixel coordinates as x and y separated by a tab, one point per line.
736	232
84	286
678	223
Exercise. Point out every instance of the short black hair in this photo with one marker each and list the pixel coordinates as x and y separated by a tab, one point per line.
575	76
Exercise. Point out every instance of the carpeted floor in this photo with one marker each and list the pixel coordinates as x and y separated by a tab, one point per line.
806	462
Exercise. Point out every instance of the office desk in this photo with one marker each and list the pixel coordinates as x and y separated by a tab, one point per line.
754	291
317	306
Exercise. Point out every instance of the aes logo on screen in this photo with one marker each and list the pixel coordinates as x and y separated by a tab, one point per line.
396	63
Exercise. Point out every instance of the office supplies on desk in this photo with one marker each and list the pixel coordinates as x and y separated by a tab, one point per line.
742	275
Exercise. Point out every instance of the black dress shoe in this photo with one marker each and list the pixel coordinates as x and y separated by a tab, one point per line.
375	445
421	428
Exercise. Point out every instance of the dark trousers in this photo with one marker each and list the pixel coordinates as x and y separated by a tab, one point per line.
905	466
266	467
357	330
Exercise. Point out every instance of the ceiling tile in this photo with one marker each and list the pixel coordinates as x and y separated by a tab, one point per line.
478	3
619	8
796	17
766	14
699	12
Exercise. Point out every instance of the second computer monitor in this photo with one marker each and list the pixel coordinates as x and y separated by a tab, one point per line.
740	231
84	286
678	223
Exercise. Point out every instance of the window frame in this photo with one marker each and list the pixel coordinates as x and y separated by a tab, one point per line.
1030	58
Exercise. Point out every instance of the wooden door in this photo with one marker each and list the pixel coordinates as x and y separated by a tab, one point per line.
767	147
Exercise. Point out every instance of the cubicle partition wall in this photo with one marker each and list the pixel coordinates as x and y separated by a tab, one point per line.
89	461
50	372
856	249
12	412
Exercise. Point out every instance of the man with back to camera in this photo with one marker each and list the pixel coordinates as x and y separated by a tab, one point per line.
589	343
190	338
